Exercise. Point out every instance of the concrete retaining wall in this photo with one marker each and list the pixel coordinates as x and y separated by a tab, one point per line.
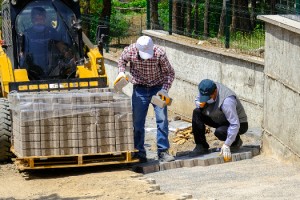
282	88
192	63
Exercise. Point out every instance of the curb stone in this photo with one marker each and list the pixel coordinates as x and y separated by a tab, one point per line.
183	160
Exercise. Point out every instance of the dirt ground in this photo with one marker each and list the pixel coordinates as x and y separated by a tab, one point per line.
108	182
113	182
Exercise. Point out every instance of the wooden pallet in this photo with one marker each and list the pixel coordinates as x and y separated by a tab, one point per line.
78	160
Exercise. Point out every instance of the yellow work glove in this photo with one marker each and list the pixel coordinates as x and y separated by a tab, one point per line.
119	77
164	96
225	151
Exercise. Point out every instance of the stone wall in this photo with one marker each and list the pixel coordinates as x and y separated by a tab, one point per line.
282	88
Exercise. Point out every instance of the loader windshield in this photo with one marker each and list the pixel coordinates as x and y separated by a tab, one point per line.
46	44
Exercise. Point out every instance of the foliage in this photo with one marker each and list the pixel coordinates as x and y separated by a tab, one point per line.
163	13
119	26
130	4
249	41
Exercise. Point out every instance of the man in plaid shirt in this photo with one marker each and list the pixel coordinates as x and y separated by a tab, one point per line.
152	74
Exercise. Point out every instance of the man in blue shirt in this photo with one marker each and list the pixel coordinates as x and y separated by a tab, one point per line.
219	107
37	37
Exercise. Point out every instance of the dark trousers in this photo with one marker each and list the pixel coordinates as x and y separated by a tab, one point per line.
198	125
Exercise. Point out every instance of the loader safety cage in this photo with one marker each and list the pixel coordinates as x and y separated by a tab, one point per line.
58	85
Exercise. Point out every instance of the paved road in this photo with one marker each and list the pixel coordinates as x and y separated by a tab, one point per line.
258	178
261	177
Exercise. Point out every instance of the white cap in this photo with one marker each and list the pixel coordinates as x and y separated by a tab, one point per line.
145	46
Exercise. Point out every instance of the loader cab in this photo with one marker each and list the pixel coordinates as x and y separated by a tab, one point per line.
44	38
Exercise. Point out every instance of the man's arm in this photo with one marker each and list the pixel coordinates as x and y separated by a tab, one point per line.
229	109
197	101
167	69
123	60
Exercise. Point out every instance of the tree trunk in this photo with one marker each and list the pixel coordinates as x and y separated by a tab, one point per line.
253	14
244	23
189	17
106	12
196	17
174	16
273	6
154	23
86	11
222	20
234	16
180	18
206	19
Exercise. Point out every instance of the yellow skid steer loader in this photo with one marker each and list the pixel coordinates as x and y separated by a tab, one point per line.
42	50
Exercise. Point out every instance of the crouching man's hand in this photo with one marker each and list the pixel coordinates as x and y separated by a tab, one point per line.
225	151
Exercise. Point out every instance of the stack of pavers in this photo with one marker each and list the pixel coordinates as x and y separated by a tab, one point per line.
68	123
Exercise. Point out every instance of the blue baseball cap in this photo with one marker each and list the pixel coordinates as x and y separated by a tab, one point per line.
206	87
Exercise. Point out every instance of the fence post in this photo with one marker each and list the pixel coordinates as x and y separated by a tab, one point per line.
297	7
107	23
170	16
148	14
227	24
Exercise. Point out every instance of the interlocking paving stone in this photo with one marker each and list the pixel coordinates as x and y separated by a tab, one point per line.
212	158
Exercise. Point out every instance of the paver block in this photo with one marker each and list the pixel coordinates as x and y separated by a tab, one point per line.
124	117
201	162
33	137
106	149
30	129
64	136
88	150
87	135
49	129
106	141
29	152
49	144
29	145
69	143
179	163
123	125
106	134
52	136
68	150
105	127
50	121
50	152
188	163
87	143
146	168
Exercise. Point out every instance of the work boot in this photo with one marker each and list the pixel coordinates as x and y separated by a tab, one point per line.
237	146
165	157
198	150
142	158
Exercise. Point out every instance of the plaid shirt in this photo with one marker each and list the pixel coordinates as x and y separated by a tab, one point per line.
151	72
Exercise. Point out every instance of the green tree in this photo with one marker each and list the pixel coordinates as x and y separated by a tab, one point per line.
119	26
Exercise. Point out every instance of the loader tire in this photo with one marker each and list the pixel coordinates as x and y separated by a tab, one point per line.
5	131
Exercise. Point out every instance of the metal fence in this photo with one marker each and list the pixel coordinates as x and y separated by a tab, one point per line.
227	24
223	24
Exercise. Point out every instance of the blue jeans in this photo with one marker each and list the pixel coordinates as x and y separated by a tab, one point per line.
141	99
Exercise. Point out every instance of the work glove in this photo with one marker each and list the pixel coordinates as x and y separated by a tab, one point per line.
164	96
225	150
119	77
